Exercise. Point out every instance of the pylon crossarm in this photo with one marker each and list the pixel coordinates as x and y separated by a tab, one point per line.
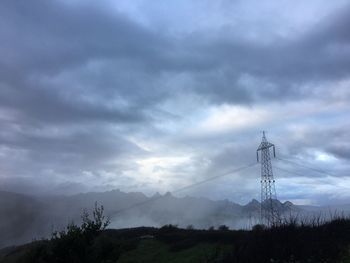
265	145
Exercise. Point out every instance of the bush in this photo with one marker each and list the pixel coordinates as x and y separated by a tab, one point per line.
75	243
169	227
89	227
258	228
223	228
190	227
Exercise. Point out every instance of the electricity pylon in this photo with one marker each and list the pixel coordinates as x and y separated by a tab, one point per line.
269	213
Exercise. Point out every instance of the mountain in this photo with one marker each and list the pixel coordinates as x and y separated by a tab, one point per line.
24	217
252	207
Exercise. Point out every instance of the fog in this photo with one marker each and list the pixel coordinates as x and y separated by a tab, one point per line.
27	218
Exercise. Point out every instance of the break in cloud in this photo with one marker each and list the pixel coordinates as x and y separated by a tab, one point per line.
152	96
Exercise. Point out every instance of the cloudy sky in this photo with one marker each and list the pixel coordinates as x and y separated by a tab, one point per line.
156	95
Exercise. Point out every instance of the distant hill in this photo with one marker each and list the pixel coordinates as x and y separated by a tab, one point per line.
24	217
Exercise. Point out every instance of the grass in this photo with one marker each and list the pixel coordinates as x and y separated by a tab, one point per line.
154	251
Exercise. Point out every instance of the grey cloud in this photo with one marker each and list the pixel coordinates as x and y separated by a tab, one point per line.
37	104
42	156
85	65
48	36
332	140
283	69
65	37
45	39
340	150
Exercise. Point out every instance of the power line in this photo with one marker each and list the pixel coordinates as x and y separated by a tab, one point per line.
300	174
186	188
215	177
288	171
307	167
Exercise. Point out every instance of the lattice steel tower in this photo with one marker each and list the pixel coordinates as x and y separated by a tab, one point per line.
269	214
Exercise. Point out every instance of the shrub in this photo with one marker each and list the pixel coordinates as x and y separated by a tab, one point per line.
258	228
73	244
190	227
223	228
169	227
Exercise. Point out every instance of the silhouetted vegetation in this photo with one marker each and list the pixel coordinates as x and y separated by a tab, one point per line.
82	243
291	241
223	228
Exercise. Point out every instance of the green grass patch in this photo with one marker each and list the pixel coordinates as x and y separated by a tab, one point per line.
154	251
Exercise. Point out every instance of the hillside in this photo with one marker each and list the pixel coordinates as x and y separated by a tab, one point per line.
328	242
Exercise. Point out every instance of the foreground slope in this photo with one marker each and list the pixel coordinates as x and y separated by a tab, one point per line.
327	242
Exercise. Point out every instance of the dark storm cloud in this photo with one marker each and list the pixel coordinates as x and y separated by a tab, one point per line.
43	39
37	104
51	36
94	148
93	143
333	140
340	150
282	68
46	38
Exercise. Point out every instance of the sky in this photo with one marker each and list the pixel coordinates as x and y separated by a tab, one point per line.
152	96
